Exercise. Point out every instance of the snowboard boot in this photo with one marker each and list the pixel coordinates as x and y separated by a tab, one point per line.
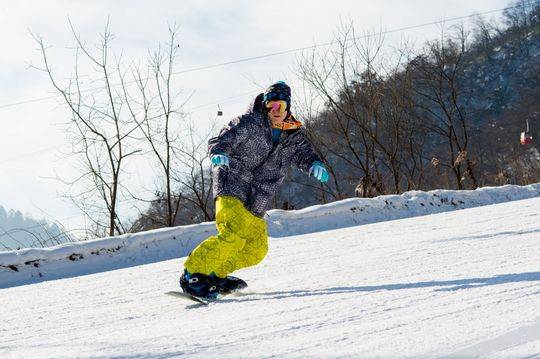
199	285
229	284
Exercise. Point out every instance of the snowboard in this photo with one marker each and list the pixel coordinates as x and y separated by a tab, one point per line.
204	301
178	294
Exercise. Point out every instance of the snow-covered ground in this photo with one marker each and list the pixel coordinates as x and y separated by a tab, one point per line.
458	284
37	264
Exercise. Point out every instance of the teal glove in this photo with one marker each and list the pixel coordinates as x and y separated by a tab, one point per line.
219	159
318	170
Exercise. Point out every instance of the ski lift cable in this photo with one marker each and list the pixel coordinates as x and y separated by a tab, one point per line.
224	100
284	52
198	107
250	59
30	154
206	67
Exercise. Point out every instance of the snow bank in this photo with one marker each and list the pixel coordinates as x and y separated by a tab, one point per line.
74	259
359	211
35	265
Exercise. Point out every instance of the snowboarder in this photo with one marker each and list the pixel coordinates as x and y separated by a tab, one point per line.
250	157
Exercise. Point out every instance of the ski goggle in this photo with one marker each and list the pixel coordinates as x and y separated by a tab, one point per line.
279	106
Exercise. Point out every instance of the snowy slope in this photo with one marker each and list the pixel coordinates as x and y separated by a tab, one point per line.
457	284
37	264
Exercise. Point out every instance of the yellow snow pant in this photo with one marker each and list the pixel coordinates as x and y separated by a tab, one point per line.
242	241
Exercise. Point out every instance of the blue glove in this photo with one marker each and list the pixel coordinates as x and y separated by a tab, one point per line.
318	170
220	159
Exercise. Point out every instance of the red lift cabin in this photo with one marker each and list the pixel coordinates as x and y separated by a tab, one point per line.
526	138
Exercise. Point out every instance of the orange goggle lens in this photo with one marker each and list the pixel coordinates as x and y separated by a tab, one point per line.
279	106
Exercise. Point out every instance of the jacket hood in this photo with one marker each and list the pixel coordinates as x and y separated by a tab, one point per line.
256	104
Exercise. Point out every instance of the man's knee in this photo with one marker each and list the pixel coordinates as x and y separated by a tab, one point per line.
260	253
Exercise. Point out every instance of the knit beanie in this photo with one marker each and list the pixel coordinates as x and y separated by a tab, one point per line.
278	91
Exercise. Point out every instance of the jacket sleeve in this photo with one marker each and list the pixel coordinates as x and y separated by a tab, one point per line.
228	138
304	155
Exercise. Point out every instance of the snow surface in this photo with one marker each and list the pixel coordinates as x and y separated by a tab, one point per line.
74	259
458	284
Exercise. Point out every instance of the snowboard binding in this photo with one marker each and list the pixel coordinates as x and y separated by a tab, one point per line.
209	287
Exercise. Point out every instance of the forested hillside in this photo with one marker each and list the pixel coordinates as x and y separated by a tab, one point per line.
448	116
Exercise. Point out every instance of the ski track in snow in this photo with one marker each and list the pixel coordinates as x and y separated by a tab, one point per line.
463	284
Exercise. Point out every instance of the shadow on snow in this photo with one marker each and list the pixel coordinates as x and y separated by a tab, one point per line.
446	285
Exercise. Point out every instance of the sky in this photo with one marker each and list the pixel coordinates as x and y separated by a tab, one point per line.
33	137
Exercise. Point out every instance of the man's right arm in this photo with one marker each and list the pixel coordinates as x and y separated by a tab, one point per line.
229	137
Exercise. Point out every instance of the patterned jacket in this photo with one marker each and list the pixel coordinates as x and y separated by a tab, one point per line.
257	167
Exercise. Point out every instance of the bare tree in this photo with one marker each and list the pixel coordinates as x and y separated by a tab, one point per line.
442	101
190	176
176	145
99	131
139	114
366	122
483	33
193	175
521	16
157	115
